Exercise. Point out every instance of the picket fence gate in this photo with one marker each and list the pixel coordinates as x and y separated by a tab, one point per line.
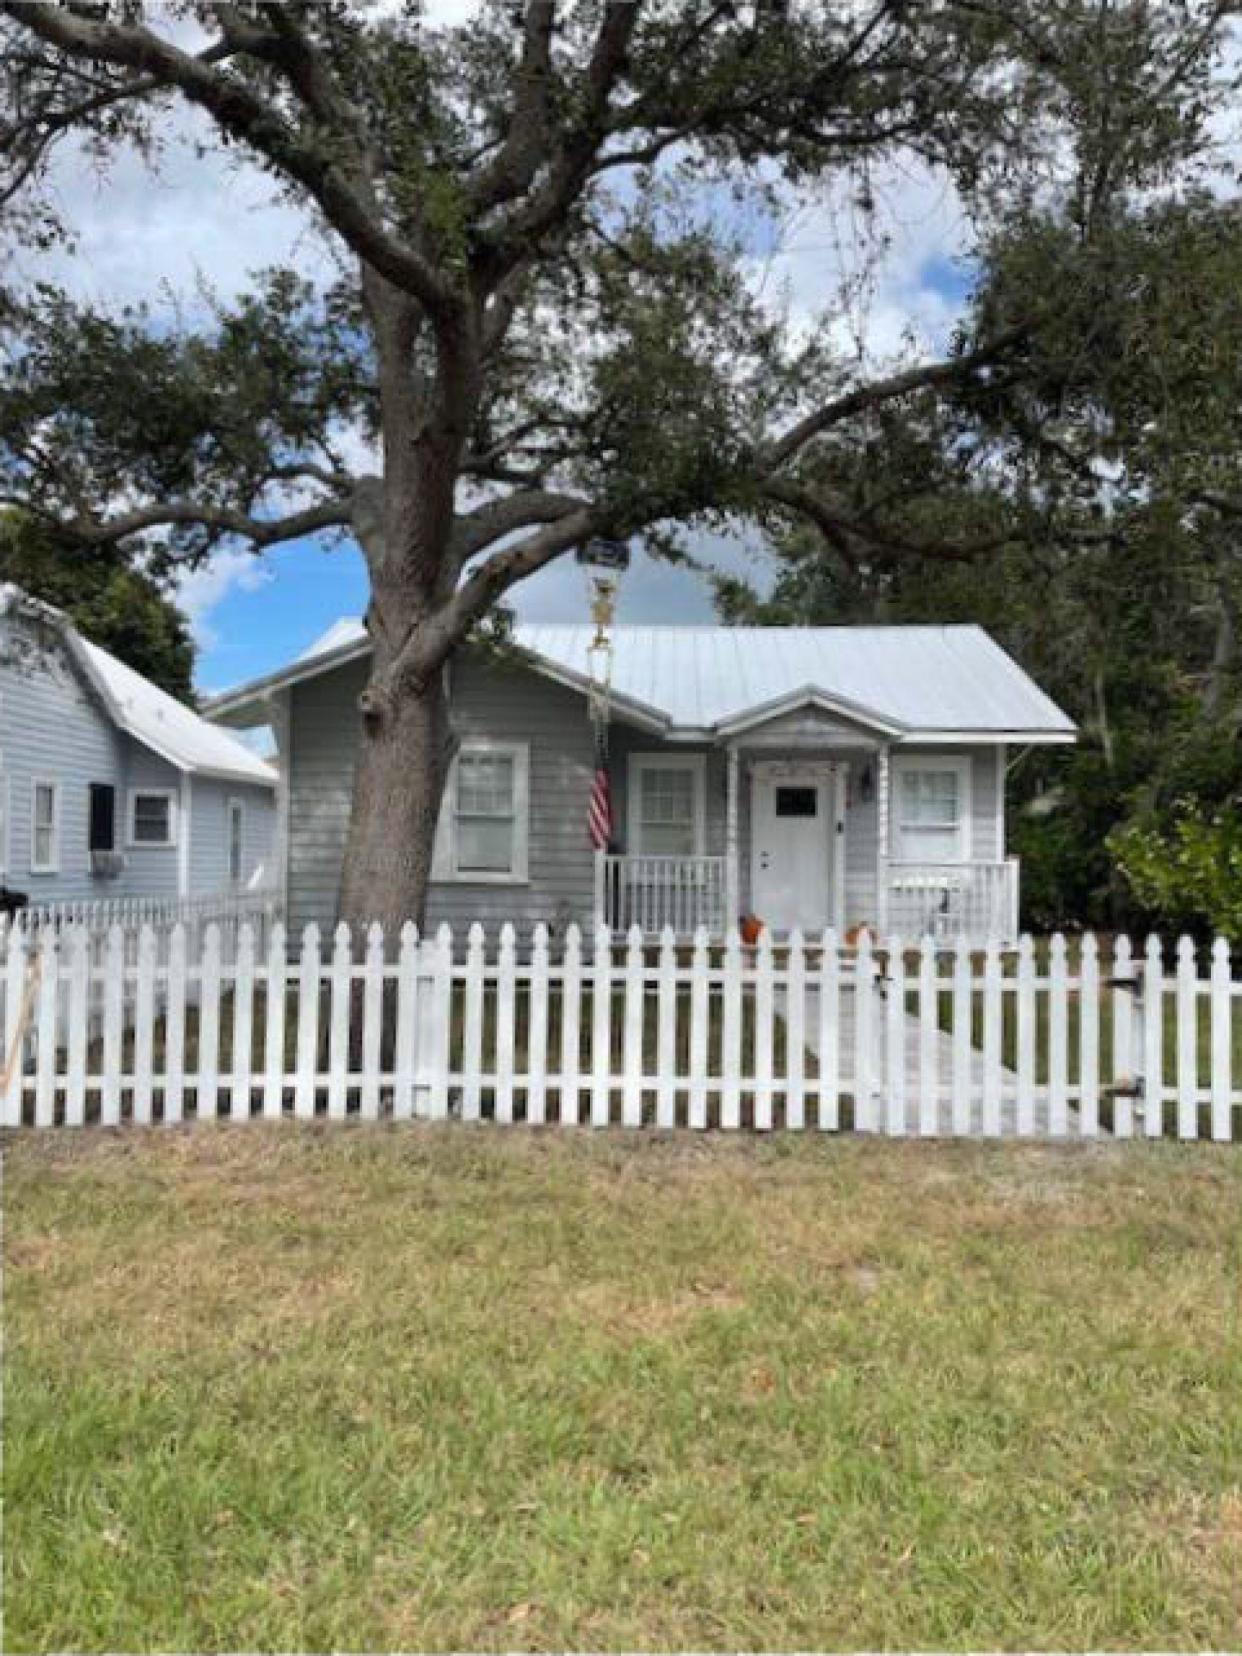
804	1033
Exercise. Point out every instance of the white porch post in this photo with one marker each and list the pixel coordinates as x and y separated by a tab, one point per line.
733	895
600	916
883	818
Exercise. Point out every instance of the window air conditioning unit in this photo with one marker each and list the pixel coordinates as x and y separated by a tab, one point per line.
107	864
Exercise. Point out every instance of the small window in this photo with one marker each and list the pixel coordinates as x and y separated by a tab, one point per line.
797	802
930	813
151	819
45	828
236	842
666	806
102	827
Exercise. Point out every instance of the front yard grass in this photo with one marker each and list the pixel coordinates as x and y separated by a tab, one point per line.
272	1387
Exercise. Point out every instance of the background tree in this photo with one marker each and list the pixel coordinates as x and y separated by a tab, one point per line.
544	314
109	596
1094	491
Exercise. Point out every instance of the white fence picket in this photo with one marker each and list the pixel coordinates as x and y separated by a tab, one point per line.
895	1041
77	1033
406	1056
723	1025
537	1032
372	1025
1222	1042
929	1040
829	1111
1125	1065
571	1028
666	1031
1089	1038
1153	1039
305	1077
1058	1038
962	1042
697	1106
275	996
506	1023
1187	1003
45	1030
144	1027
795	1034
243	1026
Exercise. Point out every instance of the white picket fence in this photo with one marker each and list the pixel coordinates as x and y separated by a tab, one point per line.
904	1039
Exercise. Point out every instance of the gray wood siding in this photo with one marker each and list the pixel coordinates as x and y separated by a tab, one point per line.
506	704
52	728
209	833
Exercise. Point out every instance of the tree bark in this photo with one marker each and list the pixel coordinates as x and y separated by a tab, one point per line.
404	751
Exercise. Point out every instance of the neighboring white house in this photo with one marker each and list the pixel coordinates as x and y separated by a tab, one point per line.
109	787
842	776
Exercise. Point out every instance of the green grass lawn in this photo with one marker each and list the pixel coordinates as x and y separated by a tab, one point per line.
401	1388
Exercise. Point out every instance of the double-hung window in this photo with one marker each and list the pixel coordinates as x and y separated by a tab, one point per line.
484	821
45	827
666	805
931	811
152	818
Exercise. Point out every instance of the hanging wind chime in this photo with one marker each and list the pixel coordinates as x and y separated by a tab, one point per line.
605	561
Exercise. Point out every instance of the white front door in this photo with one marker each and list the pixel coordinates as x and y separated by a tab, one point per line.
794	846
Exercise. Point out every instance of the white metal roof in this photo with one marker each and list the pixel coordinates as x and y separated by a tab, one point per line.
918	682
146	712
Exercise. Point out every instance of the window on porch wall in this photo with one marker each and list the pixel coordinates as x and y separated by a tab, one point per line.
930	815
666	810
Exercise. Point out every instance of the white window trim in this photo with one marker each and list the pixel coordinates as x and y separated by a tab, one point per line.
639	762
961	764
444	870
37	782
235	806
135	794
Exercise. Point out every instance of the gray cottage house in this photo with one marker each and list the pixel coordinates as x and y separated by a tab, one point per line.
110	789
843	776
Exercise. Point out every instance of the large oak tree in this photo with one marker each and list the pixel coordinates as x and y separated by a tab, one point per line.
544	311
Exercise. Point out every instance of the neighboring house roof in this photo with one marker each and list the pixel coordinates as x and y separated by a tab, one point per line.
915	683
140	708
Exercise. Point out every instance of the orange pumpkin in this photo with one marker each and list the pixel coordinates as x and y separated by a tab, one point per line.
750	926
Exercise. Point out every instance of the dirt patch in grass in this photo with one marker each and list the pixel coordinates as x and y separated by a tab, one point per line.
414	1387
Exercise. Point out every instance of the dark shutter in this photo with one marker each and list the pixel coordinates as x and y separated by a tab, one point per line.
103	817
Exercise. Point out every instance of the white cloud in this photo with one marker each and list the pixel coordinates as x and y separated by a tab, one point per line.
200	591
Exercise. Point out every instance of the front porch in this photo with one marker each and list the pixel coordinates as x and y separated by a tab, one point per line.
808	820
970	902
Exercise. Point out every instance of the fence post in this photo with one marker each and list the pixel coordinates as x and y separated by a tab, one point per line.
339	1019
960	1106
632	1040
243	1021
1025	1112
666	1032
373	999
78	1025
113	1019
304	1089
696	1109
795	1033
1058	1043
45	1029
144	1026
764	1013
993	1017
929	1039
274	1034
407	1023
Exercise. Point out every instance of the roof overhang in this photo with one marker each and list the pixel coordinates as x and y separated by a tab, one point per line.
249	705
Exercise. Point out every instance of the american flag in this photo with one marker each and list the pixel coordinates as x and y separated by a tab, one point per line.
599	805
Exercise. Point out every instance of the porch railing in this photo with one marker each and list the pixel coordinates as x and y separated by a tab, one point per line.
682	893
947	901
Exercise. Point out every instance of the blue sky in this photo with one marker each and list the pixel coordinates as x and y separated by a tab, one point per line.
209	217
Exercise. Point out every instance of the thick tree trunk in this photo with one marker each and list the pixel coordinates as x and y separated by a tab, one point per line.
403	758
